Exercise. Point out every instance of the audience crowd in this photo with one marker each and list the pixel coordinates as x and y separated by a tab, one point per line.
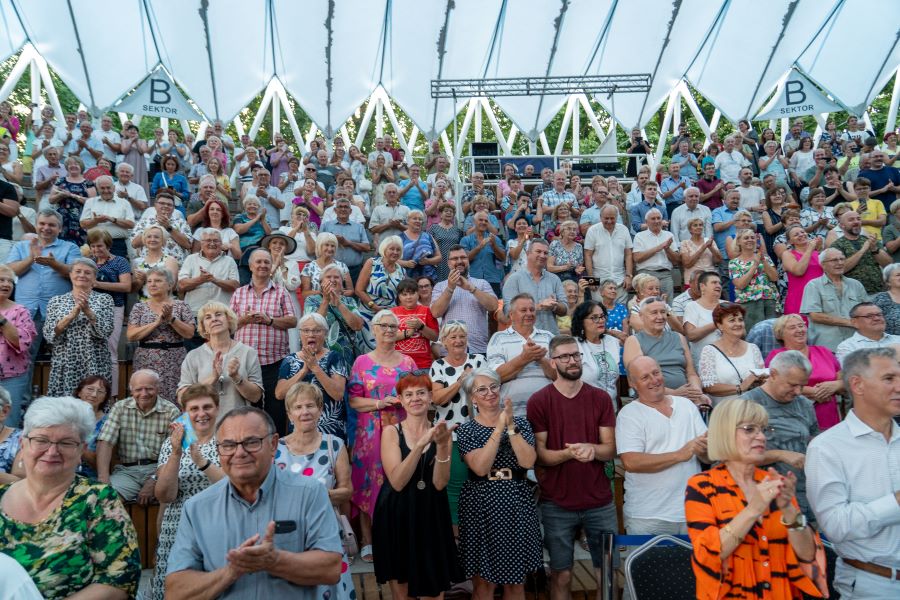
359	346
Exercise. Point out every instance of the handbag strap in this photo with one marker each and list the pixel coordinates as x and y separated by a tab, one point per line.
719	350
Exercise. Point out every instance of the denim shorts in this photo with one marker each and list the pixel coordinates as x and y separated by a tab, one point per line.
560	526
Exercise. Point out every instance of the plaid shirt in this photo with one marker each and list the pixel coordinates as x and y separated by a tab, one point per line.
552	198
138	435
270	342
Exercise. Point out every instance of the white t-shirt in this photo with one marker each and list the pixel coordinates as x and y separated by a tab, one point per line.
698	316
752	196
300	254
642	428
608	256
356	215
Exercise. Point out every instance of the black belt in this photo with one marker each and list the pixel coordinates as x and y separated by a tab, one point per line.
161	345
499	475
140	463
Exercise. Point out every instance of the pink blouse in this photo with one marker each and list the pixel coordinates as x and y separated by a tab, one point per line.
14	361
825	367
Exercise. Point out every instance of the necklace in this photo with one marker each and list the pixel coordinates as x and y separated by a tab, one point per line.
421	485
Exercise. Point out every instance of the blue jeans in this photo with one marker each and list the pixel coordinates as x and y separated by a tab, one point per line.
560	526
19	388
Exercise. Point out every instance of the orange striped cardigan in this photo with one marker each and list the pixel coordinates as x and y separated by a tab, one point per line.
763	566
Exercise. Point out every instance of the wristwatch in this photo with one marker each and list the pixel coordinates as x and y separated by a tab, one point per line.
3	321
798	524
513	431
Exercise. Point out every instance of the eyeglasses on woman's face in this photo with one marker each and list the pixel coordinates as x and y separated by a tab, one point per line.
752	430
42	444
484	390
387	326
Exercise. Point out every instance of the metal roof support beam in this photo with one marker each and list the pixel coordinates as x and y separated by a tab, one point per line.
667	122
541	86
464	130
395	123
695	110
498	132
513	132
17	72
564	127
576	126
261	113
49	86
545	146
276	115
292	120
366	119
592	117
892	108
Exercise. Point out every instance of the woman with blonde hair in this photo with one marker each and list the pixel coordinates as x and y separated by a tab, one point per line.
154	239
376	287
230	367
698	254
372	392
746	527
753	275
311	276
645	286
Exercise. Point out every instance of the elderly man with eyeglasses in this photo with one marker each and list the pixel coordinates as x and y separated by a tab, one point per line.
868	320
282	539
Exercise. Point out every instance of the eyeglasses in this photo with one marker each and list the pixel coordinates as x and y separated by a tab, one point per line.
251	445
94	391
752	430
42	444
836	259
483	390
597	318
311	331
576	356
387	326
871	317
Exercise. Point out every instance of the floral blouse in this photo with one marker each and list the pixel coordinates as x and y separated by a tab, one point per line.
88	539
760	287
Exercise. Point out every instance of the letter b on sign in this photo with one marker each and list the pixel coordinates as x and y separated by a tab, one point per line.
793	93
159	91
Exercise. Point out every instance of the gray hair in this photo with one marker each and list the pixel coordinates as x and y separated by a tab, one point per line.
104	179
391	186
889	270
652	211
207	177
468	384
743	213
162	272
86	262
318	319
124	166
49	212
381	314
198	235
149	372
5	398
857	362
791	359
249	198
54	412
415	212
334	266
828	253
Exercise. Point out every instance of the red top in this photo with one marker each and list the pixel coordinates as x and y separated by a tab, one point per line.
572	485
417	347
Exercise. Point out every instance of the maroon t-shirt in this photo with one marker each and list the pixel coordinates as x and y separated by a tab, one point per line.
572	485
706	186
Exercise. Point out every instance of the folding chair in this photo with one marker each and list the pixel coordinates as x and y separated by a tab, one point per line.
661	568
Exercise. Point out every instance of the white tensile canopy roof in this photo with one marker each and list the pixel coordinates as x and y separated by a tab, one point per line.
331	55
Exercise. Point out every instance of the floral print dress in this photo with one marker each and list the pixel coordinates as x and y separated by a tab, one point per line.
88	539
369	380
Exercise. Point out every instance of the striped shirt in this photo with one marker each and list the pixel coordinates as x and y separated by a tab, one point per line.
269	342
762	566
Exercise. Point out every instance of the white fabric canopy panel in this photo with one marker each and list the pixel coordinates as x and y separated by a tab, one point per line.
866	65
682	28
332	54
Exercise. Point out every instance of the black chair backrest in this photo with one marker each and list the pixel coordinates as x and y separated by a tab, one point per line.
664	572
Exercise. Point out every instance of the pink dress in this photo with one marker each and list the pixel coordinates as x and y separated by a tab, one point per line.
796	284
825	367
368	380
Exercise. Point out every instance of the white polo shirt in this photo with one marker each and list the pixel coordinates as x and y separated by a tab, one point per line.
608	251
507	345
